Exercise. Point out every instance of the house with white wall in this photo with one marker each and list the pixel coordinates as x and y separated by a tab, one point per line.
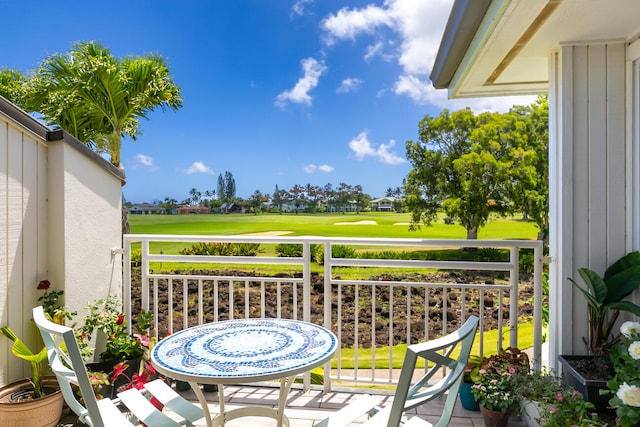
585	54
60	219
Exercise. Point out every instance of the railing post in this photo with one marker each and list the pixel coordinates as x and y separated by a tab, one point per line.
126	282
144	273
306	298
327	309
537	308
514	280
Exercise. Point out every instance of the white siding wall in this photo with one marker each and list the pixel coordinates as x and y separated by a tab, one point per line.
588	167
60	217
23	224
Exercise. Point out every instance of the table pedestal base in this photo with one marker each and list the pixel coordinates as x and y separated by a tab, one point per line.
256	411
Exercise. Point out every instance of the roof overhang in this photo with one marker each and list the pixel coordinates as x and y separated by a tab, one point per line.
502	47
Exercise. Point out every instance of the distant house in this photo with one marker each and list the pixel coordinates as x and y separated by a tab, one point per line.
146	209
192	210
383	204
232	208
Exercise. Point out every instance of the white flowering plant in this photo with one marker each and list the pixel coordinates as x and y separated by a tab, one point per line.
625	384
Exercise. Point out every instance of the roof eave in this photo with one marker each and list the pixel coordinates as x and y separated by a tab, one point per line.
462	26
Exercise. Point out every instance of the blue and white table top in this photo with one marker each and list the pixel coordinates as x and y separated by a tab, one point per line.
243	350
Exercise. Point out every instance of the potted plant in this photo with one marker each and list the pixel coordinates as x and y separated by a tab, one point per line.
36	401
470	377
546	400
605	298
625	384
494	390
106	317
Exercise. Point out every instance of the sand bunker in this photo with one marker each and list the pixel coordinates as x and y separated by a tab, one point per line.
402	223
357	223
268	233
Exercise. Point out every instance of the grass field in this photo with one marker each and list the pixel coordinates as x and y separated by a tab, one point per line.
377	224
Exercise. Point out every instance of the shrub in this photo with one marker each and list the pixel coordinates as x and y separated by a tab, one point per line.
222	249
136	258
295	250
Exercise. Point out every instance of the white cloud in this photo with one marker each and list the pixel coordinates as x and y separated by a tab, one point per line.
349	85
362	148
325	168
311	168
299	7
142	160
313	69
418	26
378	49
198	167
348	23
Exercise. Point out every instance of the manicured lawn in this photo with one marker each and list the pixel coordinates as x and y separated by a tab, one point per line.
330	225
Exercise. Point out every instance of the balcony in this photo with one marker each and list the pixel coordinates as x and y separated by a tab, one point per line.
404	305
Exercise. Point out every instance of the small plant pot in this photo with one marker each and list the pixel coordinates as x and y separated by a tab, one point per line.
467	399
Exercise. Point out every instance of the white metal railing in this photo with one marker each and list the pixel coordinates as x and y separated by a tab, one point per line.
408	309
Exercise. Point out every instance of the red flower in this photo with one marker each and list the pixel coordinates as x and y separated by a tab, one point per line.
44	285
119	369
120	319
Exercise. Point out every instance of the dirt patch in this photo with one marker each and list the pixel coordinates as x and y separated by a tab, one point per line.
419	313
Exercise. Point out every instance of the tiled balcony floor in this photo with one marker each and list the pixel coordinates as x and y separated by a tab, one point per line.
305	409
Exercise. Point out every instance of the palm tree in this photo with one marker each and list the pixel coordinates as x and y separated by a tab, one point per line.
98	98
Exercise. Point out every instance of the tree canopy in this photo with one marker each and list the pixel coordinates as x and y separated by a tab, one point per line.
471	165
96	97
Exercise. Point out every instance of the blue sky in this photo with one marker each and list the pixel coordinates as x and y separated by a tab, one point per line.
278	92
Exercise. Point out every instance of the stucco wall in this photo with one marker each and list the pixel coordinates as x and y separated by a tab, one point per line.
60	217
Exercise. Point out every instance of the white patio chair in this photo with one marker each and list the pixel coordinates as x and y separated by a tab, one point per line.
67	364
440	354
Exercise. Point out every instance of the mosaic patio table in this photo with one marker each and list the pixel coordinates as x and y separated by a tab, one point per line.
244	351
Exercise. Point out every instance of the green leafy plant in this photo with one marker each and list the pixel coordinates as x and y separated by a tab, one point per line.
106	315
37	360
605	297
39	367
472	369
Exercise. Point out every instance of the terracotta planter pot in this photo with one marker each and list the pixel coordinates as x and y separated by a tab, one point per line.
42	412
495	418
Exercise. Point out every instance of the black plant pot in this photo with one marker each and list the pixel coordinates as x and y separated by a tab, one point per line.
589	388
111	391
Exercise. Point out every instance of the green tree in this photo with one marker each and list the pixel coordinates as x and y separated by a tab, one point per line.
196	196
99	98
277	199
12	85
530	193
226	189
256	200
461	165
362	200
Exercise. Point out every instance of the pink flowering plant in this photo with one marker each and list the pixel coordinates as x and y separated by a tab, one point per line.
494	389
558	404
625	384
